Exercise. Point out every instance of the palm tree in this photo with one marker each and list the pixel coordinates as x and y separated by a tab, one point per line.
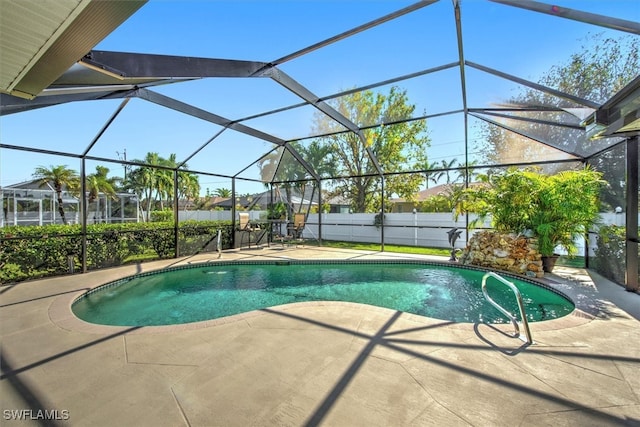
447	166
319	158
98	182
467	175
188	186
154	181
164	179
142	181
430	174
59	178
222	192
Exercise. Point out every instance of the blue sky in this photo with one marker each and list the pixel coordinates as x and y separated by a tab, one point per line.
513	40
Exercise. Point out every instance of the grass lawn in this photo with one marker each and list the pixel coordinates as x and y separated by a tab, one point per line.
387	248
576	262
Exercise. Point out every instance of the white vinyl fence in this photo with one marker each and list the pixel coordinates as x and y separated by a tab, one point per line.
419	229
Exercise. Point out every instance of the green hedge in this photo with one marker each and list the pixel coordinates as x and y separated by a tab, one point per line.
43	251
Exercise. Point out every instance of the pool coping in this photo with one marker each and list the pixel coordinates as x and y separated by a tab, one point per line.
61	313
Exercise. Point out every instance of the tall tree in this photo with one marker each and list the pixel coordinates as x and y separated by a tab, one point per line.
142	181
60	178
164	180
601	68
154	182
399	146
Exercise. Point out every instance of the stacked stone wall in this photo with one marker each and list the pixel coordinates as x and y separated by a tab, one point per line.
508	252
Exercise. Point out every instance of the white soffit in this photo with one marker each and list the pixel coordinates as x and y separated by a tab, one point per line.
41	39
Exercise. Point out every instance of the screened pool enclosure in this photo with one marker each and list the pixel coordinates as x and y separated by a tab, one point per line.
370	118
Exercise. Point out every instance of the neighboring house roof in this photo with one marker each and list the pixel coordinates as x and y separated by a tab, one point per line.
438	190
422	195
215	201
264	199
338	200
33	184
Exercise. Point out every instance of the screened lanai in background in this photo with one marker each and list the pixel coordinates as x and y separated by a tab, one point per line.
187	105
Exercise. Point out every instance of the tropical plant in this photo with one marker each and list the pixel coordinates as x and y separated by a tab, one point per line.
60	178
277	210
436	203
568	207
556	209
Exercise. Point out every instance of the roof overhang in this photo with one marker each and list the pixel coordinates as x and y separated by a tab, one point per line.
619	116
39	41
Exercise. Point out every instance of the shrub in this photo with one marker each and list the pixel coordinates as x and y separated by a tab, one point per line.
42	251
162	216
556	209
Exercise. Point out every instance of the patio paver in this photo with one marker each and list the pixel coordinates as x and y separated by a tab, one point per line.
319	363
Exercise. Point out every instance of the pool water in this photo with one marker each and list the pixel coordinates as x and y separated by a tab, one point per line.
208	292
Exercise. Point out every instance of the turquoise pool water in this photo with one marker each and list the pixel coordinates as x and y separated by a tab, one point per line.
212	291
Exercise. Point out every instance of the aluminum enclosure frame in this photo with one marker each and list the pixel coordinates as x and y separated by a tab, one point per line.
117	75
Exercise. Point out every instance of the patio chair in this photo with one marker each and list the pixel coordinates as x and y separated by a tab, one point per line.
298	225
245	227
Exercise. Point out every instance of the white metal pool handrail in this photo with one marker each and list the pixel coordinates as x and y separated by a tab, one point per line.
219	243
513	319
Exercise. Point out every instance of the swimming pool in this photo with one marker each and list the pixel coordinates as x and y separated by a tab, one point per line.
196	293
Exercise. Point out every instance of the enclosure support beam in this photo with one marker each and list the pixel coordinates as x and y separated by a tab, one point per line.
319	183
411	8
83	213
576	15
382	207
632	214
533	85
233	212
465	106
175	213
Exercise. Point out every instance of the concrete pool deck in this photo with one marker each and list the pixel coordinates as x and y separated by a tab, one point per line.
333	364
